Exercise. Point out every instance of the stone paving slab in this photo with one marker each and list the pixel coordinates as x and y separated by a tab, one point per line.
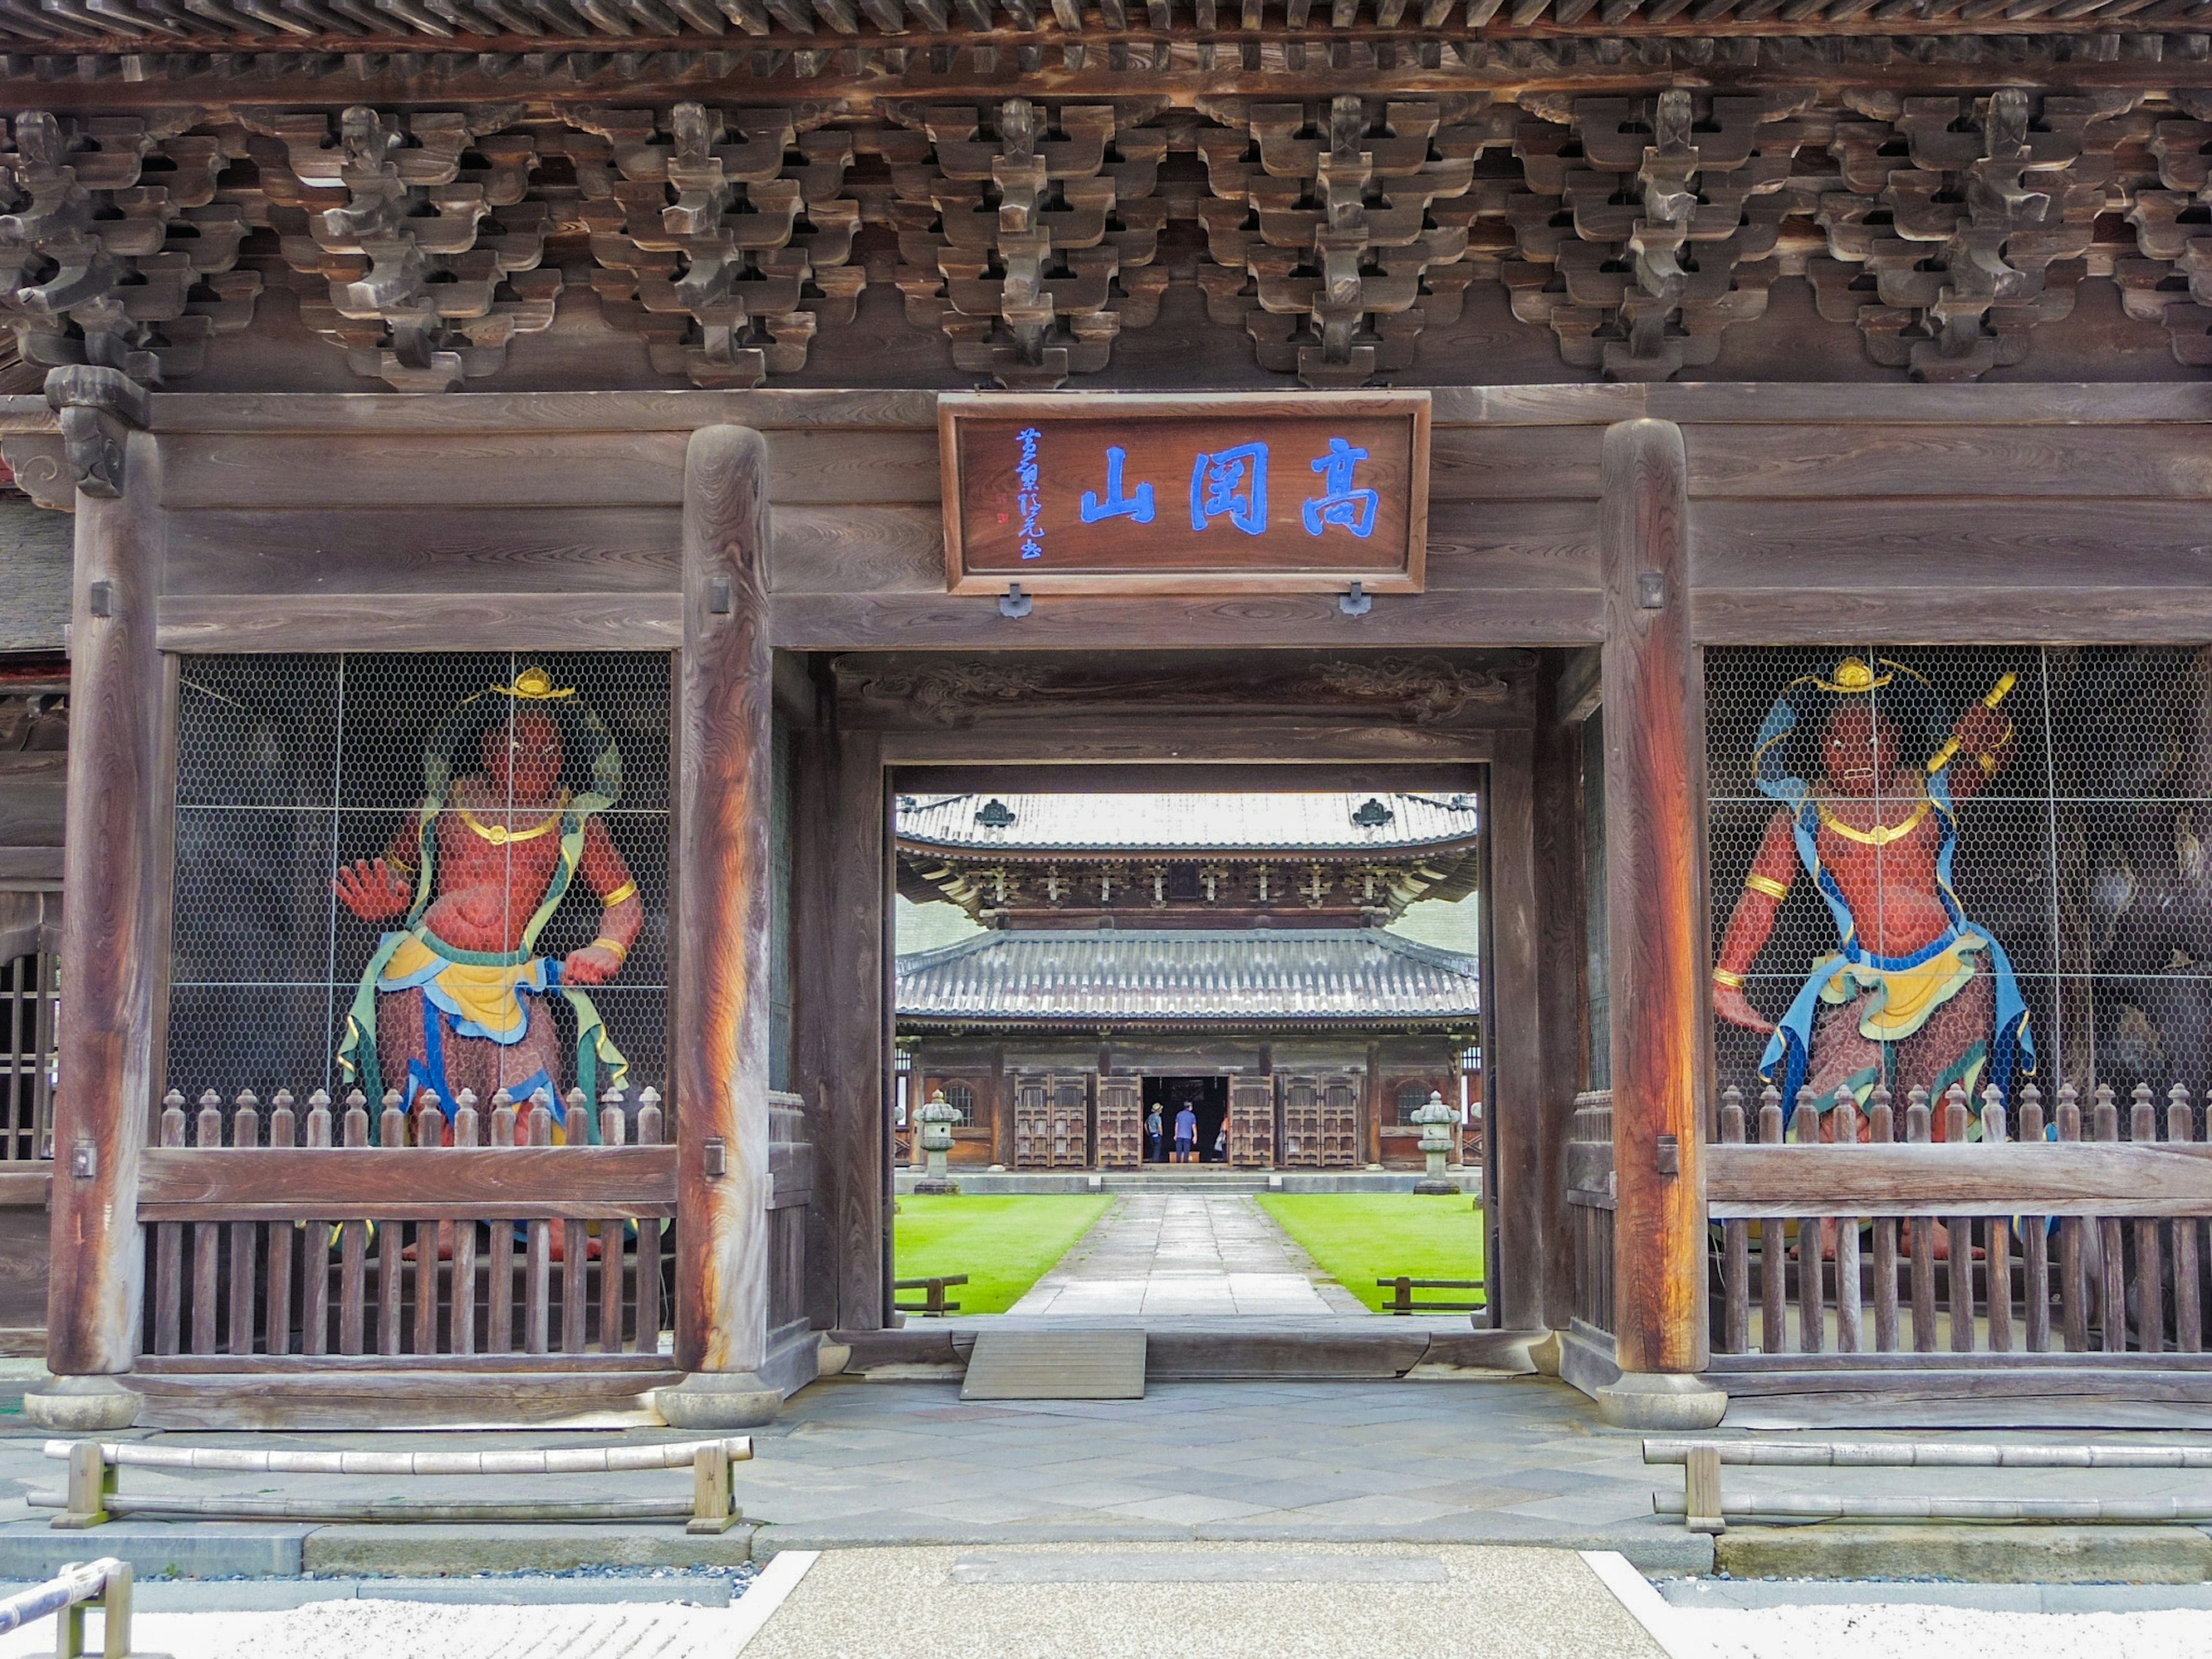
1186	1256
853	1462
1471	1603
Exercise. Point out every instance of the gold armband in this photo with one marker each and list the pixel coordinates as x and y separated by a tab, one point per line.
603	942
398	863
1755	883
627	890
1734	982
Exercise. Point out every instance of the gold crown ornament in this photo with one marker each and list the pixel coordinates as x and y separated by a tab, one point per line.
534	684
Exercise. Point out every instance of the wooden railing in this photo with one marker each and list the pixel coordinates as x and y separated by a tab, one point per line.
1590	1206
281	1232
1896	1233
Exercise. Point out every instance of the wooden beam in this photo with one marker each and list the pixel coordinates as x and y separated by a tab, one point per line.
1173	777
2117	1178
519	1183
1652	797
1513	1082
1253	739
421	622
719	1009
106	1047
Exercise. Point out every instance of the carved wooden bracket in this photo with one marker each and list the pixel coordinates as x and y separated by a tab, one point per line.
1336	234
114	250
713	241
1027	233
417	236
99	408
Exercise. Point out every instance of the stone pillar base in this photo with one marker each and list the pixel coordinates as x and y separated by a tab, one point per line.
1665	1403
1437	1188
83	1405
934	1187
718	1400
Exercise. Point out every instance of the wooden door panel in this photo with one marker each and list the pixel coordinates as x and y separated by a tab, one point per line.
1252	1122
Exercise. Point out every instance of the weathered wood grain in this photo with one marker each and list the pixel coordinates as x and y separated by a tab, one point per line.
720	1014
2085	1178
2177	615
1561	953
429	622
2002	460
106	1040
681	412
485	469
1513	1068
341	1184
1654	912
1509	617
852	1134
425	547
1215	739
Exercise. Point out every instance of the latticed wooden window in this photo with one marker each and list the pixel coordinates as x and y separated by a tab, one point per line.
1411	1097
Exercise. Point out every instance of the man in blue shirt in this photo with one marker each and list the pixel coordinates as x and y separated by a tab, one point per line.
1186	1136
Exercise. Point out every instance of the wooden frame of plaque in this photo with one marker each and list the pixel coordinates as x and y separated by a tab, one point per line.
1204	493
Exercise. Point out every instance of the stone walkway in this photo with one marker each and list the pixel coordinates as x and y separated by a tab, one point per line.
1182	1256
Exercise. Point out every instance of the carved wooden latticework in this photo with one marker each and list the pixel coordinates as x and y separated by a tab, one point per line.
415	238
1338	232
1252	1122
1121	1122
1340	237
1029	250
1959	225
1641	250
718	236
113	247
1049	1113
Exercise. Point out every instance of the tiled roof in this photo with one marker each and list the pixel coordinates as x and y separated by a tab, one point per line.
1185	823
1167	976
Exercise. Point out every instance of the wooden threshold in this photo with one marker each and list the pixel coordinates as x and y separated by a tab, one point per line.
403	1399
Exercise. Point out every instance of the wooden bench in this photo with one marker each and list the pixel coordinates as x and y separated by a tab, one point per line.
932	1291
1402	1290
93	1466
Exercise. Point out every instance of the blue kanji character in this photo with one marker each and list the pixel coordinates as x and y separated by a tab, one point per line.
1231	481
1137	506
1032	499
1343	505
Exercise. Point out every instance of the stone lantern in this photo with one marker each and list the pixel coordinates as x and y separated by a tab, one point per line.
1435	1119
937	1118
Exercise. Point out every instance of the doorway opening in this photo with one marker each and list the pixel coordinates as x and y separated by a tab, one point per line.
1207	1099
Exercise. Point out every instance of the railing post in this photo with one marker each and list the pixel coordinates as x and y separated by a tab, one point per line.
722	929
110	955
1656	911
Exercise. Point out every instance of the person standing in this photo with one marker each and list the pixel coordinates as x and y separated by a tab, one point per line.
1154	1129
1186	1136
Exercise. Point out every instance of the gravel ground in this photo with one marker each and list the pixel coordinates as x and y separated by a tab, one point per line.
1934	1632
419	1630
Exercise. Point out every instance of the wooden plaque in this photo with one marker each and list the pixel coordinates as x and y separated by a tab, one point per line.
1105	492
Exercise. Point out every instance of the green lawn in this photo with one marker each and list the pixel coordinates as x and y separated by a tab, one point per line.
1004	1244
1359	1238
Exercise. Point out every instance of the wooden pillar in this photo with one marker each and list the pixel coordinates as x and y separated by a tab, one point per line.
1513	1060
721	1002
1654	798
1559	953
855	1156
107	1041
1373	1095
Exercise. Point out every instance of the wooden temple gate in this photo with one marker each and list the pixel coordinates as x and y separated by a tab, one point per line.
1604	543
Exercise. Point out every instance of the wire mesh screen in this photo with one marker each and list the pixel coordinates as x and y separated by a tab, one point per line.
421	870
1961	865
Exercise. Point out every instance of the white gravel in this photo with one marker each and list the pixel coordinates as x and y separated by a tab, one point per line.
419	1630
1931	1632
